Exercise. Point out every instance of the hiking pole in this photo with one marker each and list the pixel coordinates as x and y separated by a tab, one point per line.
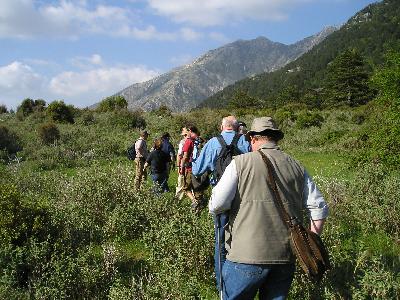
219	254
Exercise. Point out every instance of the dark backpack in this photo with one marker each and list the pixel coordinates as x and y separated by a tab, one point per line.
131	152
224	158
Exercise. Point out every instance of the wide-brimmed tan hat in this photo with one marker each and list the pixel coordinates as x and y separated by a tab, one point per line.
263	126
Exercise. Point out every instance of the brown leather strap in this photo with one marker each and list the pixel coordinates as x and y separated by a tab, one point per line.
272	184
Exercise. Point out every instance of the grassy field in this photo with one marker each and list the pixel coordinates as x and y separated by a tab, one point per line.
72	226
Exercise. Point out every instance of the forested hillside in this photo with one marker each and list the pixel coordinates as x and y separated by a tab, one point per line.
307	80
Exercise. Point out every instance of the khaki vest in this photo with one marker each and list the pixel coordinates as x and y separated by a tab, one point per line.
256	233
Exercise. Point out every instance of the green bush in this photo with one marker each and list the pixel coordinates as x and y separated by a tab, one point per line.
21	218
128	119
309	119
284	117
49	133
112	103
3	109
25	108
9	141
383	143
87	118
162	111
59	112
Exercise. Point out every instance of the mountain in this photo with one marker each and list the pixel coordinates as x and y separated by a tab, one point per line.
185	87
371	31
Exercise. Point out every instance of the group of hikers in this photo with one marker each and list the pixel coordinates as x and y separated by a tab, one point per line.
252	244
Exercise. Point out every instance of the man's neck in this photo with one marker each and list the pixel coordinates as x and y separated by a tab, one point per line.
227	129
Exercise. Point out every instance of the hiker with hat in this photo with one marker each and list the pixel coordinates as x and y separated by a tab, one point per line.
140	160
242	130
180	183
210	161
259	257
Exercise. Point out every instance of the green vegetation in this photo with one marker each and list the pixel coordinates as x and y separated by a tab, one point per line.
58	111
347	80
72	226
112	103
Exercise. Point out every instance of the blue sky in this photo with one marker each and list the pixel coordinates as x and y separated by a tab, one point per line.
81	51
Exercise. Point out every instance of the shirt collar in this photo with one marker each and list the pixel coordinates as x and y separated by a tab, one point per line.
270	145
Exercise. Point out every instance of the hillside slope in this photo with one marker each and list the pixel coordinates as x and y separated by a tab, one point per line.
185	87
370	31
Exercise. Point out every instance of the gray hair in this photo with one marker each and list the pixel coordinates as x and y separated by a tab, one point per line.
230	122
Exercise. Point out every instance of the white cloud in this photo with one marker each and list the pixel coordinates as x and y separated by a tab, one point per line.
82	62
90	86
71	19
218	12
149	33
17	82
189	34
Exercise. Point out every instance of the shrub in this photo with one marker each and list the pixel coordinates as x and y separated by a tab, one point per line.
25	108
9	141
112	103
3	109
128	119
49	133
358	118
29	106
87	118
59	112
284	117
309	119
383	144
39	105
21	218
162	111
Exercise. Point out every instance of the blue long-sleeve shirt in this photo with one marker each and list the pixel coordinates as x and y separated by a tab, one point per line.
206	161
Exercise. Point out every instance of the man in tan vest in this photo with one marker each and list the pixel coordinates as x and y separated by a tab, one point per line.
140	160
259	257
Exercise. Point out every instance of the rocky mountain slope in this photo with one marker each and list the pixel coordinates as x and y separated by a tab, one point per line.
371	31
186	87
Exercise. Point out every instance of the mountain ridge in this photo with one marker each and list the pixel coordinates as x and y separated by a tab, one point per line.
185	87
370	31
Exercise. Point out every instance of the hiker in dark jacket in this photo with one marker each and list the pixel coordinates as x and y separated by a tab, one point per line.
158	162
168	149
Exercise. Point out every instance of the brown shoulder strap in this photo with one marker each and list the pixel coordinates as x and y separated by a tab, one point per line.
272	184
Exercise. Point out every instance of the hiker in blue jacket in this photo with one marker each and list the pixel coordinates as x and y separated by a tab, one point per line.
206	162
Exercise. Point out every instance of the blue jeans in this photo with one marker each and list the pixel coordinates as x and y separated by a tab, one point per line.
219	247
243	281
160	181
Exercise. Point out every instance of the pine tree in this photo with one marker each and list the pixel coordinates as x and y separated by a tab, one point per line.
347	80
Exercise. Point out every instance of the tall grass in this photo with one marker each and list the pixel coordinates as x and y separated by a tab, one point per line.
72	225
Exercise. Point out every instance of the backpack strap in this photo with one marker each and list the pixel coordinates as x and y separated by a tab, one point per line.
235	140
221	140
